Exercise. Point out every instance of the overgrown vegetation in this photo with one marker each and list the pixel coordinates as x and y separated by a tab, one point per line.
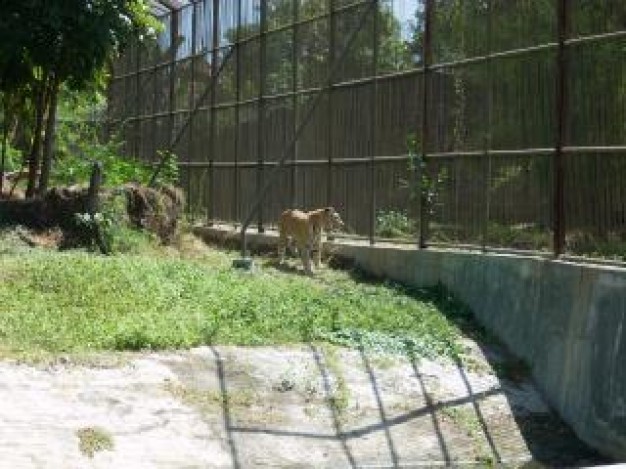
394	224
75	302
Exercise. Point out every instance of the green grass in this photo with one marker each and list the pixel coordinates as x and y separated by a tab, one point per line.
78	302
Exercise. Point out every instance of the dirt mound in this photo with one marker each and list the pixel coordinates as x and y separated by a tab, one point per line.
155	210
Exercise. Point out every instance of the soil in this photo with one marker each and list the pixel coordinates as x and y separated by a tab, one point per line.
310	405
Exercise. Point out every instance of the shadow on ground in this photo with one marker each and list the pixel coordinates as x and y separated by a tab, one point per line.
324	406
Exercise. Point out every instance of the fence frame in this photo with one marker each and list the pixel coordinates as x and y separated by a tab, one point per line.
563	46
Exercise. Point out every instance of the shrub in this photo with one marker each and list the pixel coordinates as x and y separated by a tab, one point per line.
394	224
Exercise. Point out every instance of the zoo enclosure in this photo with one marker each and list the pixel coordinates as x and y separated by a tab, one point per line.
515	111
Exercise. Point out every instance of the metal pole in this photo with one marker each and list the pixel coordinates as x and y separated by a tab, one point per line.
487	141
213	123
374	114
138	123
261	111
294	81
423	203
192	95
561	109
237	113
329	119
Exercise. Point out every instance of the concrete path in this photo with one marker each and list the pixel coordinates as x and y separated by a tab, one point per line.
305	406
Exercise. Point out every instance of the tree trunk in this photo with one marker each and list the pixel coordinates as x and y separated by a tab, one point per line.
5	133
48	147
33	159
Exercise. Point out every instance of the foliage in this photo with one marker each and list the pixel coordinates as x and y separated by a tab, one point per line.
80	141
425	183
77	302
45	44
521	236
394	224
109	230
13	158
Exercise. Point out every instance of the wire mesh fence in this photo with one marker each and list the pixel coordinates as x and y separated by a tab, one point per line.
494	124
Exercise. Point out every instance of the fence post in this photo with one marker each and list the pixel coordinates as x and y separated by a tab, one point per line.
374	114
561	109
261	111
329	116
488	137
427	60
213	124
237	114
192	114
294	80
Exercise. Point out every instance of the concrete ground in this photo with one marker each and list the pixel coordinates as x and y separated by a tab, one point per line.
300	406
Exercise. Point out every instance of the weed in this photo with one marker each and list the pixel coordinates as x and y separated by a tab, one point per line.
207	400
339	396
94	439
394	224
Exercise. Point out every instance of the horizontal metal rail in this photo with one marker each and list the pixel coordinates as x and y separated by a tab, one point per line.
406	157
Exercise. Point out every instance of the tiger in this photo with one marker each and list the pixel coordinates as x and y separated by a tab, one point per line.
306	230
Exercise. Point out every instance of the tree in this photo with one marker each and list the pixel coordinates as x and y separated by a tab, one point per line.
56	43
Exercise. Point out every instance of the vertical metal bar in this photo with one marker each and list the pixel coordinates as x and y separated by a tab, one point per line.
261	111
192	114
138	122
294	80
329	118
374	123
561	109
172	78
427	52
213	123
488	140
237	114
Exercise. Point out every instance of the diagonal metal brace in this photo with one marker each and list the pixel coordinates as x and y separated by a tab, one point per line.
193	112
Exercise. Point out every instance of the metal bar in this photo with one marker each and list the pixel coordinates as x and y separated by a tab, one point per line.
423	203
192	95
595	38
373	130
213	96
329	114
237	113
406	157
261	110
172	77
488	137
495	55
137	134
561	109
294	80
288	148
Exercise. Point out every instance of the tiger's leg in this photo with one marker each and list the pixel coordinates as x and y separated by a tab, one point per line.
317	243
305	255
282	247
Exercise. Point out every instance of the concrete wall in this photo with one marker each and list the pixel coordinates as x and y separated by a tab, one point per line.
566	320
